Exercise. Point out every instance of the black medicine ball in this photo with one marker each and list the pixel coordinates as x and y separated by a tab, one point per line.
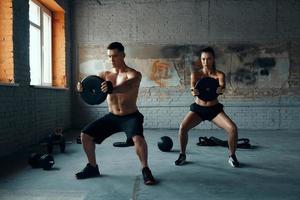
165	143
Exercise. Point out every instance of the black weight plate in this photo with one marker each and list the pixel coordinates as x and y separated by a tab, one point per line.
121	144
128	143
91	92
207	88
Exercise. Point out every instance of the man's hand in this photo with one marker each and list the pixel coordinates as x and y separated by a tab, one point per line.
107	87
79	87
194	92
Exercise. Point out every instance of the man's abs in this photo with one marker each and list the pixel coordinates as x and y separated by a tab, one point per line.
121	104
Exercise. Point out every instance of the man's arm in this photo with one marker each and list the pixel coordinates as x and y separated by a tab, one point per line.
102	75
134	79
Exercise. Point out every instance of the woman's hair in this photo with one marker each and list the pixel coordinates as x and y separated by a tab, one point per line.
212	52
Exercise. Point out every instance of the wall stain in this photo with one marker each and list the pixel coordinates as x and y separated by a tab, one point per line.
264	72
275	50
264	65
173	51
244	76
246	65
242	50
160	72
179	51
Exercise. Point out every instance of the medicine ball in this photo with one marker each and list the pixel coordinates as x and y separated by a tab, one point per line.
165	143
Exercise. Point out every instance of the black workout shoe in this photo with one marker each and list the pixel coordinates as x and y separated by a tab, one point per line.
233	161
181	159
88	172
147	176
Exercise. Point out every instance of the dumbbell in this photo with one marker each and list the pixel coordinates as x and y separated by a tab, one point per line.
37	160
56	140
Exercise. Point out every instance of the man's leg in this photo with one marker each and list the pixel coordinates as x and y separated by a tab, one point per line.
142	152
89	147
91	169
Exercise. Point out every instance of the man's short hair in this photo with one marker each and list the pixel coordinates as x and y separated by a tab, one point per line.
116	45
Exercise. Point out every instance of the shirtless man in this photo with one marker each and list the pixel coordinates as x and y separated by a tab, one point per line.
202	110
122	85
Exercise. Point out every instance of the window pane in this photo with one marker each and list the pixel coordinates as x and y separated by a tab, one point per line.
34	13
35	56
47	62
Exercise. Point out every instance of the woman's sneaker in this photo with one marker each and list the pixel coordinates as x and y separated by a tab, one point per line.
147	176
88	172
233	161
181	159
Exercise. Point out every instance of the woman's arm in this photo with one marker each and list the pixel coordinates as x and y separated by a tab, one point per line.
194	80
222	84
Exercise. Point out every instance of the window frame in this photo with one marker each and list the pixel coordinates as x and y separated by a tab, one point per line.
47	11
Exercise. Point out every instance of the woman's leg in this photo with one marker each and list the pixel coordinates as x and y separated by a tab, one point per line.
224	122
191	120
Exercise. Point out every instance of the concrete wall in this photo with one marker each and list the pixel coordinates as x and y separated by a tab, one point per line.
242	32
27	113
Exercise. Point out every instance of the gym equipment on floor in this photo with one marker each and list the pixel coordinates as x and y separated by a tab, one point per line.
37	160
165	143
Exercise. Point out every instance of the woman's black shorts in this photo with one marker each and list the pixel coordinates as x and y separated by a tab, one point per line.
207	113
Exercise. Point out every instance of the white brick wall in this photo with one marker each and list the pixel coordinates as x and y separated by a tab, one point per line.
176	22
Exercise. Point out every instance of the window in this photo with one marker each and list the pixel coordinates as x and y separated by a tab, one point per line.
40	44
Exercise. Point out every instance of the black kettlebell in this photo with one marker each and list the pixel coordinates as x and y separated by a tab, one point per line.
37	160
165	143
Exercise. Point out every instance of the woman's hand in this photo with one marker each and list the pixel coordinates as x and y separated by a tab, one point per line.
194	92
220	90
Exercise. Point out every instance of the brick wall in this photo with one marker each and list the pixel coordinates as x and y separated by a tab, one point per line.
175	22
6	44
27	114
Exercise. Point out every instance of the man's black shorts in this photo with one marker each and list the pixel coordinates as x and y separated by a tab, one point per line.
109	124
207	113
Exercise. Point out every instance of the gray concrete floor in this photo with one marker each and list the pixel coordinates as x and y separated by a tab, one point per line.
270	170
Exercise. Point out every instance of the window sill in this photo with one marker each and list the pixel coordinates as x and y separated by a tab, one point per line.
48	87
9	84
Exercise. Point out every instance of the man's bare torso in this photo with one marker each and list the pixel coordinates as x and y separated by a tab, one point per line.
122	103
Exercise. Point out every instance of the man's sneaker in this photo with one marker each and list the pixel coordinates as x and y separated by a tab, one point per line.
147	176
233	161
181	159
88	172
